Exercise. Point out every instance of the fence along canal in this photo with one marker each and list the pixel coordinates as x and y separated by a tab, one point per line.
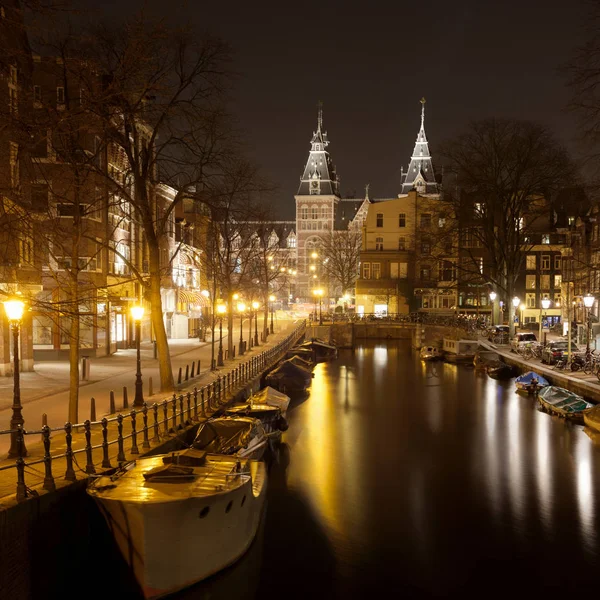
152	425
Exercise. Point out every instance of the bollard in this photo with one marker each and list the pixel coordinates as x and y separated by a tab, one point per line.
146	441
48	479
44	422
198	368
174	407
69	473
92	409
181	415
121	452
89	464
195	404
189	407
105	458
193	369
166	416
150	390
233	352
202	402
20	463
156	436
125	400
228	386
134	448
111	409
187	372
179	376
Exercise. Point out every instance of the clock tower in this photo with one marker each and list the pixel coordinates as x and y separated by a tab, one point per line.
316	202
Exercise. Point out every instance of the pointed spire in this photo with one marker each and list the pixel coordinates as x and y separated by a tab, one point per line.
420	173
367	191
319	116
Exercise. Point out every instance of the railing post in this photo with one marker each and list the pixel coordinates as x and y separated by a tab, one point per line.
156	436
174	411
48	479
121	451
189	407
125	400
20	463
195	404
202	406
89	464
228	387
105	458
146	441
69	473
181	415
134	448
165	406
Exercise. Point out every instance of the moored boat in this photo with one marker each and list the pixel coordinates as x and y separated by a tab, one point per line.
270	417
483	358
240	436
272	397
563	403
430	353
289	378
499	370
460	351
321	351
182	517
530	382
302	362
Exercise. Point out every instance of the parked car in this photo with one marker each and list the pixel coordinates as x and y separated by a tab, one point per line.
555	350
521	339
498	333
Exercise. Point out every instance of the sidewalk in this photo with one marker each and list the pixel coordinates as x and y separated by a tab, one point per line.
46	389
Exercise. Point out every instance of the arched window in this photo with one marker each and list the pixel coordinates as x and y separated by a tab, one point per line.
323	212
304	212
314	212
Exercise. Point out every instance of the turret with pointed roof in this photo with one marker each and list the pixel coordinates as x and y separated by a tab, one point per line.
420	175
319	177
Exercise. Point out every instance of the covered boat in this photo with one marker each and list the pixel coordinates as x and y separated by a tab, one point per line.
321	351
179	518
563	403
272	397
530	382
240	436
270	416
302	362
499	370
483	358
430	353
288	377
304	353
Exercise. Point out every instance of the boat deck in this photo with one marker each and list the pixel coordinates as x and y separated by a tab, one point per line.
218	474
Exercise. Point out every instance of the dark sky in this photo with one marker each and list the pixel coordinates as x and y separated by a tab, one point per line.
370	63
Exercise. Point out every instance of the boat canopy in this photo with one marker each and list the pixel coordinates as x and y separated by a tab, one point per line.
225	435
271	397
288	369
529	377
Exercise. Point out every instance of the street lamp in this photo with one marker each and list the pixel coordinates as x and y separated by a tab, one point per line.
588	302
319	294
492	298
545	305
272	301
346	300
14	308
137	312
515	302
241	308
255	306
221	310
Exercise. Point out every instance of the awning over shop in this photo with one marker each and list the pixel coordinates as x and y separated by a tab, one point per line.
192	297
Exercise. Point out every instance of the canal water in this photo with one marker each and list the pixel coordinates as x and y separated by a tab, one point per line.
415	479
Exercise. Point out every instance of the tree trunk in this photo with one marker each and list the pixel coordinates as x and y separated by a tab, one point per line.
156	314
74	364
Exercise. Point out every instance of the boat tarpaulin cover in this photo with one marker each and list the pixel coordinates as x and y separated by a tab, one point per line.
271	397
527	378
224	435
288	369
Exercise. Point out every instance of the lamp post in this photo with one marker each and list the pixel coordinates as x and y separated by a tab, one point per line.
221	310
137	312
515	302
588	302
492	299
319	294
272	301
241	308
545	305
522	307
255	306
14	308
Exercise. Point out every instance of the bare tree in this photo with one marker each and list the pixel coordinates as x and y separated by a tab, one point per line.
507	173
341	253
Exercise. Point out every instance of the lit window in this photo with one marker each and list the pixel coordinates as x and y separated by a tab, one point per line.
379	243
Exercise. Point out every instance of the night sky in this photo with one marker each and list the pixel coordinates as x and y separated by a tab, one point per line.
370	63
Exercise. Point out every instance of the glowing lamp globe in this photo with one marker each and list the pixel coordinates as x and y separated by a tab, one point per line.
14	308
272	298
221	309
588	301
137	312
546	303
255	305
493	296
241	307
516	301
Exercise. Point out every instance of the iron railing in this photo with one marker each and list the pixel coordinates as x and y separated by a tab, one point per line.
156	422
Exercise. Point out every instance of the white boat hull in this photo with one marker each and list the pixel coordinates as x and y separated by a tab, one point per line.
172	545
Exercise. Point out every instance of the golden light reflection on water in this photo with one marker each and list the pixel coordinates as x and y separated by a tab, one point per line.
544	469
491	445
515	458
585	490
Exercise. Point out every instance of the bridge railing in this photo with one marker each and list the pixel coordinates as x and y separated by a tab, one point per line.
461	321
146	427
